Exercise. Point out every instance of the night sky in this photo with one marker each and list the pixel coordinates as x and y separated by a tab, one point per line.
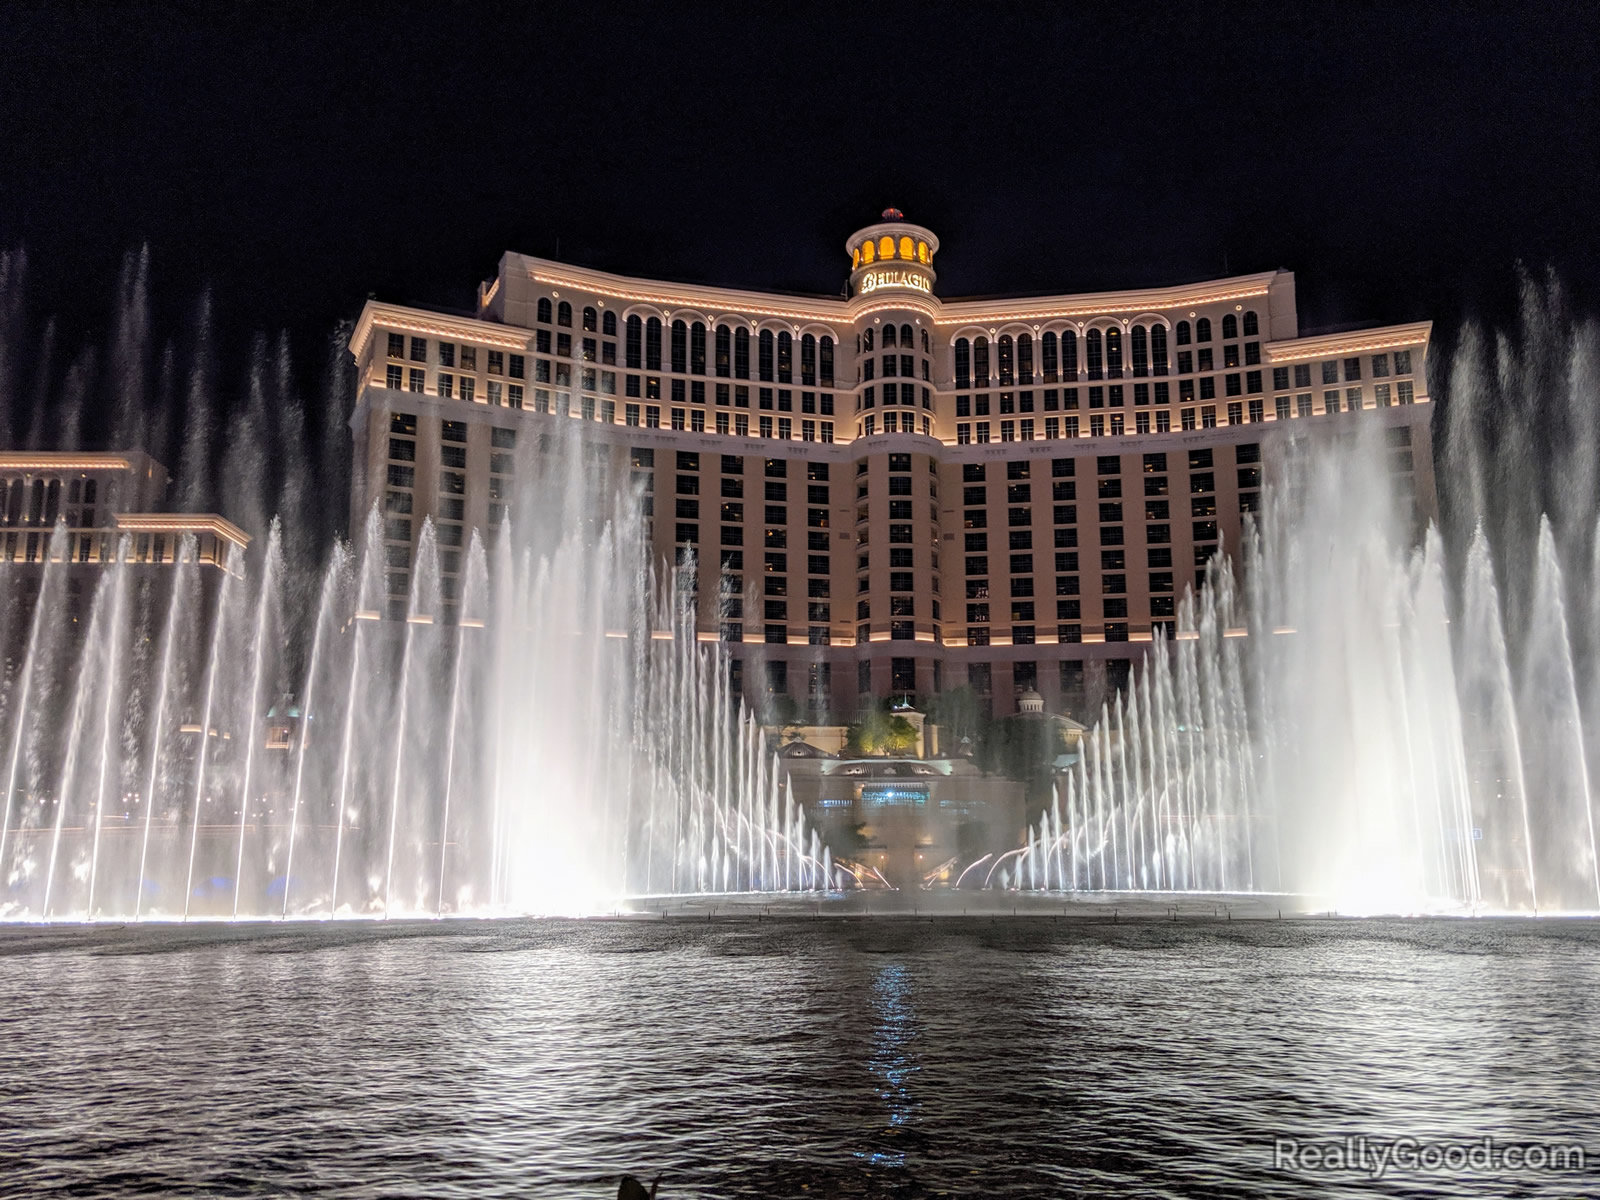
296	159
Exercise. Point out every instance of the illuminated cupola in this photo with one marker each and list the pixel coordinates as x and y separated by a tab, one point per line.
893	254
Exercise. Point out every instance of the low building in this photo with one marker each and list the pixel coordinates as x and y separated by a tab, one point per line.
95	500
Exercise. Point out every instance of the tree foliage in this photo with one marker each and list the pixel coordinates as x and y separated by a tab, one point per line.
879	731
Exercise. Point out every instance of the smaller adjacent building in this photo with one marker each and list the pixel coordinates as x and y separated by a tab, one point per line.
96	498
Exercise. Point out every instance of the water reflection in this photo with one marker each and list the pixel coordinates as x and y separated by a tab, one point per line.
783	1058
893	1062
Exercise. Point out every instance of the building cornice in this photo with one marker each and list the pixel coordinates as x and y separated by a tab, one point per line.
183	523
715	301
62	460
1356	341
433	324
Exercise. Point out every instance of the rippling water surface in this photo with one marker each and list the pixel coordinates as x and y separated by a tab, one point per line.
785	1058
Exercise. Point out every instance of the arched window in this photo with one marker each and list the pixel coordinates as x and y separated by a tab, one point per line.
1158	348
1113	354
1069	356
14	504
908	249
1202	329
963	355
652	344
1141	352
1092	355
827	361
608	323
1024	358
544	310
1230	327
885	247
52	502
36	503
922	252
564	314
1003	360
741	353
591	319
634	346
855	257
1252	327
868	254
680	347
724	351
905	337
980	362
888	336
1048	363
808	360
785	357
925	349
697	349
1183	333
764	357
866	339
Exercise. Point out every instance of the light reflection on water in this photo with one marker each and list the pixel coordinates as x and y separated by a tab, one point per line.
893	1062
783	1058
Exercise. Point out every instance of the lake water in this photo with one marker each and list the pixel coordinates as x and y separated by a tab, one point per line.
790	1057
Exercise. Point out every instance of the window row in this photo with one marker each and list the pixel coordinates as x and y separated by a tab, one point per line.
887	248
1058	356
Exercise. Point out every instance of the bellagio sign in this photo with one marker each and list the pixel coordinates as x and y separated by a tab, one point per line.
871	281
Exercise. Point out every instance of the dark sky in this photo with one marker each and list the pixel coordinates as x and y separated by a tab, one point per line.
298	157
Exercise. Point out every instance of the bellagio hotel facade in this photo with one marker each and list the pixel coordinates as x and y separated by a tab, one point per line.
905	493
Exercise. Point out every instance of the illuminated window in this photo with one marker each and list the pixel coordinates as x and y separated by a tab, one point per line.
697	349
855	257
785	357
907	251
885	247
922	252
867	254
652	344
1092	353
764	356
680	347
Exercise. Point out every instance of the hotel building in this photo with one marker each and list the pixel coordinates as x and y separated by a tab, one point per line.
908	493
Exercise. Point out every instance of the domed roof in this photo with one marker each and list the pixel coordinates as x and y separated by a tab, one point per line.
1030	702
